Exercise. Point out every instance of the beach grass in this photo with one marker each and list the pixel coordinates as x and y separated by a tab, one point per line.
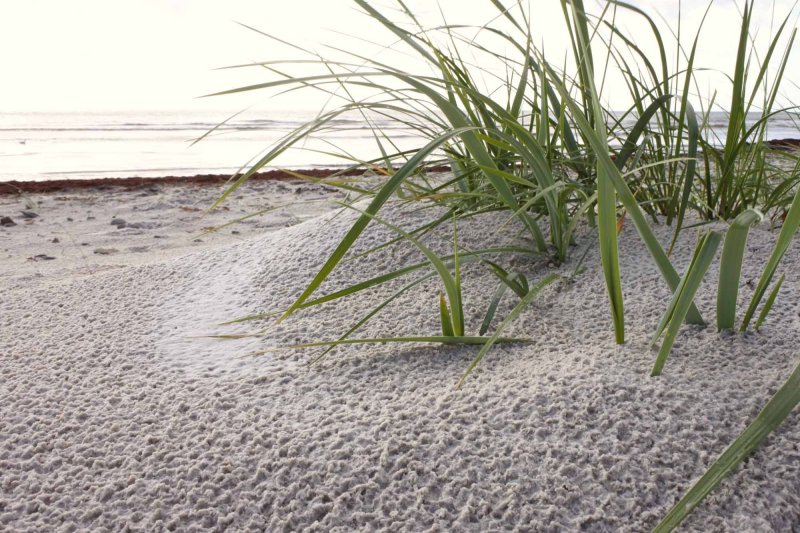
539	150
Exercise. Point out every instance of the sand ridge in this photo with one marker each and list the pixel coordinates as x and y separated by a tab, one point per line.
116	414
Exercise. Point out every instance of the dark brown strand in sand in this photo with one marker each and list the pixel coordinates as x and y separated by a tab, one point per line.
16	187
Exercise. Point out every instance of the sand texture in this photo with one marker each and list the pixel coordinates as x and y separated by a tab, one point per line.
83	231
116	413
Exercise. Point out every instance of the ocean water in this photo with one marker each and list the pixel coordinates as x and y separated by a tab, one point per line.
45	146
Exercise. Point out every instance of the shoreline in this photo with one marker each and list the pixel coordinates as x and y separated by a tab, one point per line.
16	187
12	187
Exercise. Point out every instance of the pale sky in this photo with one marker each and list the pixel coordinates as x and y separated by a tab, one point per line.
95	55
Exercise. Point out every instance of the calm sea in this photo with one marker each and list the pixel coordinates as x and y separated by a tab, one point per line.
45	146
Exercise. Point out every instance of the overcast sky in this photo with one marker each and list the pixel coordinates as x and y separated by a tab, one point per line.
160	54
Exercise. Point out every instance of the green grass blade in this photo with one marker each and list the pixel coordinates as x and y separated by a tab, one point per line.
730	267
284	144
403	34
609	251
458	328
375	310
629	146
606	193
774	413
704	254
526	300
444	316
451	286
768	304
785	237
688	172
418	232
556	187
737	107
544	111
511	178
516	281
522	87
434	339
303	80
657	35
217	126
521	281
666	318
492	309
360	225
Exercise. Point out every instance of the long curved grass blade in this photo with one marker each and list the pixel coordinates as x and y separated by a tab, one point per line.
774	413
492	309
216	127
609	251
688	172
606	193
558	186
736	118
451	284
543	130
458	328
298	134
375	310
403	34
585	208
238	220
629	146
516	282
360	225
418	232
301	80
657	35
434	339
465	257
730	267
768	304
785	237
526	300
682	299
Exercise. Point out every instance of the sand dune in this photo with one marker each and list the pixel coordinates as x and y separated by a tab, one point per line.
115	412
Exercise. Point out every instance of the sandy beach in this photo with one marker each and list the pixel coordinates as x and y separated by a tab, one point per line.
118	413
67	232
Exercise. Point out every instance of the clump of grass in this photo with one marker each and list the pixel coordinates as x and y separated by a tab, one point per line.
539	149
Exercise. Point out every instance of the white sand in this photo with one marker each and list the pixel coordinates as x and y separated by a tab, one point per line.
113	414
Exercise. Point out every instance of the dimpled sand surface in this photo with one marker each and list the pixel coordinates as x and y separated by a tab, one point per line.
116	413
